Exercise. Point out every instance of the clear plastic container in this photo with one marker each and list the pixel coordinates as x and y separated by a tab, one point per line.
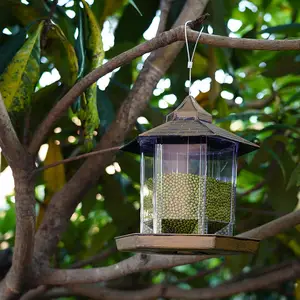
188	185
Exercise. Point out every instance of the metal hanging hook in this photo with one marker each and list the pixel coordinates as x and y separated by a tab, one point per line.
190	58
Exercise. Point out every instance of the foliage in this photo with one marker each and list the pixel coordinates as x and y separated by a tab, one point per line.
73	46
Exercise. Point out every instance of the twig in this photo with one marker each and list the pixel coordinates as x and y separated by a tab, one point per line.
67	160
53	9
164	8
162	40
48	24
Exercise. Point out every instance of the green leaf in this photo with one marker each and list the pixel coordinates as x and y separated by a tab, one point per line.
80	52
98	240
95	54
283	64
62	53
295	178
89	201
292	29
14	12
43	100
10	48
123	213
135	6
277	159
79	45
18	81
105	110
8	222
3	162
293	98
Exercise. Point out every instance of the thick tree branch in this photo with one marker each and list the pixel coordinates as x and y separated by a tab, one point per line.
9	142
65	201
22	166
164	39
274	227
274	276
20	272
141	262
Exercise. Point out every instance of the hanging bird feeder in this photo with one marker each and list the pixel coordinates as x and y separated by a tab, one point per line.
188	186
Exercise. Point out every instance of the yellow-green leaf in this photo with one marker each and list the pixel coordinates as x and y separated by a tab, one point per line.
291	243
54	177
18	81
109	9
62	53
297	289
95	54
94	44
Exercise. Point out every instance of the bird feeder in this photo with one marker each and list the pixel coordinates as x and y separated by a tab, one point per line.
188	186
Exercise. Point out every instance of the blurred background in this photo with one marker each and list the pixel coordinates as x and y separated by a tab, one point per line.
255	94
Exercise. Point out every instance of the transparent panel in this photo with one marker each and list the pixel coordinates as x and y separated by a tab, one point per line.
146	193
188	187
179	189
220	187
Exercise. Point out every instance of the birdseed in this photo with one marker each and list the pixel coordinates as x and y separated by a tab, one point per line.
180	202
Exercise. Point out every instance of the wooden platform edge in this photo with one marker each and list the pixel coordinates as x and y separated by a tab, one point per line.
210	244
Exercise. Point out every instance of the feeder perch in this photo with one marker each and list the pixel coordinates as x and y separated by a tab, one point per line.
188	186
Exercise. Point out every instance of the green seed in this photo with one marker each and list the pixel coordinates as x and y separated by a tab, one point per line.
180	202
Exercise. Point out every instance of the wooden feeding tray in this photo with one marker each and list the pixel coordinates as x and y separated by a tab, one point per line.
190	244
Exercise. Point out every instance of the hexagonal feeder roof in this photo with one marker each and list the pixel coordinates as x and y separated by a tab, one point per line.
190	120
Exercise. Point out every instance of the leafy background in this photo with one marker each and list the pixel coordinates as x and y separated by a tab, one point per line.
253	93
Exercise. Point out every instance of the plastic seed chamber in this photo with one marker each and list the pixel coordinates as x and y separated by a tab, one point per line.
188	186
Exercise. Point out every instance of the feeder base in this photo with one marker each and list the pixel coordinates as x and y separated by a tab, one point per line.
189	244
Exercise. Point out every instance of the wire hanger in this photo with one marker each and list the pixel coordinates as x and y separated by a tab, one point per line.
190	58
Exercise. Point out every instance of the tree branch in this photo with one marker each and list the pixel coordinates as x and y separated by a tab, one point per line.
162	40
275	276
85	155
22	166
20	272
9	142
